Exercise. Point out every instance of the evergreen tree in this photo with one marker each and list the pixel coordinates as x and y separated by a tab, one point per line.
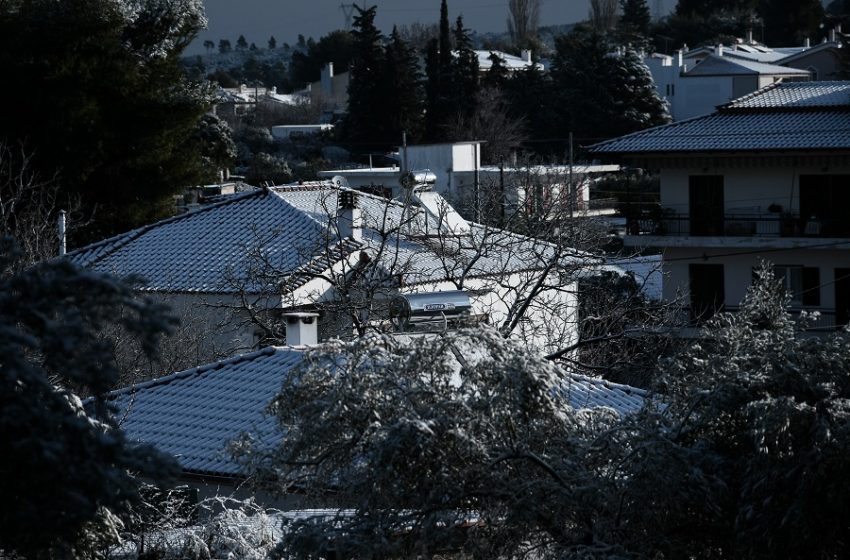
241	43
445	47
435	102
209	45
363	123
497	74
403	90
464	73
272	43
122	144
224	46
790	22
633	25
602	95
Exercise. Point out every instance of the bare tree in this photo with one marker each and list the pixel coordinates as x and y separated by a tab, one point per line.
523	21
603	15
30	205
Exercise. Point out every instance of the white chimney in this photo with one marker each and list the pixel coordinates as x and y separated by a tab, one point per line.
349	218
832	35
526	56
807	43
302	329
718	50
680	58
327	78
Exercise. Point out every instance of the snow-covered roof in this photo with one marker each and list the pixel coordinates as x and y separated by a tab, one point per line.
795	95
509	61
714	65
796	116
217	248
194	414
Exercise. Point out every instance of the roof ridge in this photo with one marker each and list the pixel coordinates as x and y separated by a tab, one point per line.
646	130
198	370
129	236
751	95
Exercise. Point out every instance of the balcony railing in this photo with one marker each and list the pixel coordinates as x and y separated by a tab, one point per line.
824	321
740	225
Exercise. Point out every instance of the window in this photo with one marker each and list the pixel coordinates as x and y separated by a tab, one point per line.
803	283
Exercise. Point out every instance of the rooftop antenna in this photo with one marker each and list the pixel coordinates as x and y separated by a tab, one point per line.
348	13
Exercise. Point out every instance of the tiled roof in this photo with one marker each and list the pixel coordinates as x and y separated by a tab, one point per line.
216	248
797	116
194	414
210	250
795	95
713	65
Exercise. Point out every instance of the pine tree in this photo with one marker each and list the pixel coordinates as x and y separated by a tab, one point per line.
633	26
272	43
602	95
241	43
403	107
224	46
464	72
363	123
445	46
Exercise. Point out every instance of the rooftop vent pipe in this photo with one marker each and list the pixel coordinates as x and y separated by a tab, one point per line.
349	220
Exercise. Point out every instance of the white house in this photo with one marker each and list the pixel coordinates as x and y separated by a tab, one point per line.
693	87
319	248
766	176
459	176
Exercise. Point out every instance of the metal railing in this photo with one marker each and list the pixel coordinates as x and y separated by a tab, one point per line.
740	225
818	319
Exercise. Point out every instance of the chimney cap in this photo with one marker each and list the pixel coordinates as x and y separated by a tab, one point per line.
348	199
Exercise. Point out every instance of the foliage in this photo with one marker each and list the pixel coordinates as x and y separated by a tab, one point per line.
748	458
218	149
123	144
67	470
267	169
442	444
403	96
362	127
790	22
464	73
336	47
633	25
603	94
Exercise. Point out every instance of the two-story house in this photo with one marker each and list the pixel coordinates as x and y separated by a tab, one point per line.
766	176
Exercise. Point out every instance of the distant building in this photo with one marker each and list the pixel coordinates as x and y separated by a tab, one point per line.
296	131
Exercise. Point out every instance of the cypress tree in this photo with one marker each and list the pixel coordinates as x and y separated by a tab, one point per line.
633	26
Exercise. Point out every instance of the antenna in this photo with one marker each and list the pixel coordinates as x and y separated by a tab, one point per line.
348	13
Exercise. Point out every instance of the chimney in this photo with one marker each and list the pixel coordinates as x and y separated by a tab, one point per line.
349	219
832	35
807	43
718	50
62	238
526	56
327	78
749	35
680	58
302	329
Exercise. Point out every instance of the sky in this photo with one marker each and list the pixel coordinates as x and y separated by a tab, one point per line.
257	20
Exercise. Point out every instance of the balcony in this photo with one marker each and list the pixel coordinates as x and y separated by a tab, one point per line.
825	321
764	229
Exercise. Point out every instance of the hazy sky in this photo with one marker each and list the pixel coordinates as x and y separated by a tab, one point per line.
285	19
